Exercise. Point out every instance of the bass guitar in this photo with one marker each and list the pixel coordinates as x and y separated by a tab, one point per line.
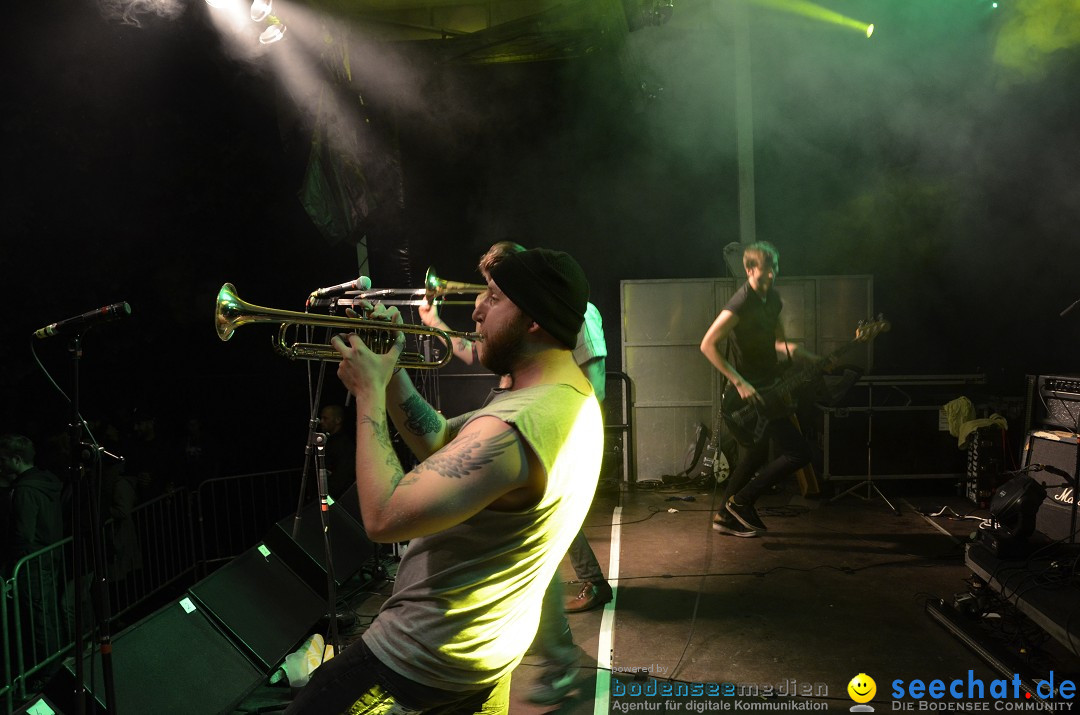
748	420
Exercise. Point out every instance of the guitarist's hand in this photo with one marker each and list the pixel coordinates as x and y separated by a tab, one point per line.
749	393
828	363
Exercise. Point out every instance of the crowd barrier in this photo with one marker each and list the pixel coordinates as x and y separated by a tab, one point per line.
160	547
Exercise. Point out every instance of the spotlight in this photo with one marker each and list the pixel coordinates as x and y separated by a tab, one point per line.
260	9
869	30
273	32
1012	512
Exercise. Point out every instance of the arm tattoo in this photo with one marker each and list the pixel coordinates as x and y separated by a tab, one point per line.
382	436
420	419
382	433
469	453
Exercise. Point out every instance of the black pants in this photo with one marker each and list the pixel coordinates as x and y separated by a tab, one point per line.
792	453
356	681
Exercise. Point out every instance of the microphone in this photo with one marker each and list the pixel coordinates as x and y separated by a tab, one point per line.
361	283
86	320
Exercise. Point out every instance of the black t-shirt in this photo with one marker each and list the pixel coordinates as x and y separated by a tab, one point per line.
754	343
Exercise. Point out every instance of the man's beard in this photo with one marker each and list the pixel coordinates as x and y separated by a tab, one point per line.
503	350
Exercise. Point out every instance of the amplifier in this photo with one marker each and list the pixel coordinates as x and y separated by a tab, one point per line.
984	467
1053	401
1059	451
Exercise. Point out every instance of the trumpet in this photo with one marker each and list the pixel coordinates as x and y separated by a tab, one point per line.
231	312
435	289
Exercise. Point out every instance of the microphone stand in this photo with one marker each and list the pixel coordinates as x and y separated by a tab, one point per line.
81	486
316	448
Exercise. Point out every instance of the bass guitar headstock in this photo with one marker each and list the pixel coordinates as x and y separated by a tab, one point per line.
867	330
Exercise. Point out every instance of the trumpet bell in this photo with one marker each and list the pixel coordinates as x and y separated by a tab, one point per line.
229	311
435	287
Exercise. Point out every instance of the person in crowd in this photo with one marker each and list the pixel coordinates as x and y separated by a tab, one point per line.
35	523
340	449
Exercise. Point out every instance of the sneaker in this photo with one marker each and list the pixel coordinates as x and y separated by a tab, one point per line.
746	514
592	595
727	525
553	685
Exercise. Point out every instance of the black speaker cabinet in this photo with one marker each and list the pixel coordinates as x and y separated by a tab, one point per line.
351	550
174	661
1057	450
266	608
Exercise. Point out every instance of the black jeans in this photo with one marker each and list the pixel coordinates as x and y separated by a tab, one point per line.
792	453
357	677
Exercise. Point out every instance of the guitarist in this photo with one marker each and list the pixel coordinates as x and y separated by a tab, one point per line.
751	320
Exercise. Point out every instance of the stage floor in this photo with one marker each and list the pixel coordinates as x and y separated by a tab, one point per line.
834	589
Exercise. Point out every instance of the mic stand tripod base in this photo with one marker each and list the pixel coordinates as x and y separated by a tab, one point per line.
871	490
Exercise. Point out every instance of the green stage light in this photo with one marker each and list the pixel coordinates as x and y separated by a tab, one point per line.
816	12
869	30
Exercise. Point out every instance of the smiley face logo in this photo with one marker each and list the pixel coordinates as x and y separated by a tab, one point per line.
862	688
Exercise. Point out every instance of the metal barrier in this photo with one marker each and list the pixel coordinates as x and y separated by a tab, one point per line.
618	426
158	545
37	635
146	551
233	513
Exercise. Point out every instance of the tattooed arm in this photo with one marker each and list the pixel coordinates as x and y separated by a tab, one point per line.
422	428
486	465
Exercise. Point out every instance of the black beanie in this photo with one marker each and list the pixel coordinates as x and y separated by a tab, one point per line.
548	286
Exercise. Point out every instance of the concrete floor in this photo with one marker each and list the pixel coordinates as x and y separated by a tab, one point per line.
835	589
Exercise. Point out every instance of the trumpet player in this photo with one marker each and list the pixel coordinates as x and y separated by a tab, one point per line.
489	511
554	640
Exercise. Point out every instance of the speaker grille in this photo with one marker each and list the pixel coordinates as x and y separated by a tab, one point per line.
1058	450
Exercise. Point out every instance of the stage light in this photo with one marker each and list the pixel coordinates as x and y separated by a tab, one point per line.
273	32
812	10
869	30
1012	513
261	9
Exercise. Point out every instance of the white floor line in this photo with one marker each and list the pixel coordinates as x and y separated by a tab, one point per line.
607	622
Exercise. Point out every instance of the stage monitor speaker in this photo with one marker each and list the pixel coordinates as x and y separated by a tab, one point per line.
173	662
266	608
350	503
352	551
1058	450
39	705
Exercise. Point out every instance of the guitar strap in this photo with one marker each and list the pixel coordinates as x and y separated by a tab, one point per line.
780	324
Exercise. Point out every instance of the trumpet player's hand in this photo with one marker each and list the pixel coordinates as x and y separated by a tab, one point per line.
366	373
429	315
